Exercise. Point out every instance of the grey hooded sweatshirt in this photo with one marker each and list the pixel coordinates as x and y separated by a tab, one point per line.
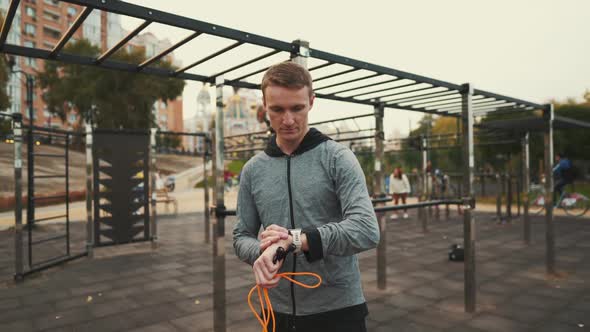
321	189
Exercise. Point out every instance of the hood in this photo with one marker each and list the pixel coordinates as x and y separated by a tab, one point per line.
312	139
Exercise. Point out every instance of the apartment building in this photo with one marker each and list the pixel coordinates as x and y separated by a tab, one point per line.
41	23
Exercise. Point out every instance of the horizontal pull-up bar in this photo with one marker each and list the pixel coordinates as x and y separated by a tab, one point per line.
367	86
122	42
209	57
168	50
264	56
72	29
180	133
342	119
420	205
346	82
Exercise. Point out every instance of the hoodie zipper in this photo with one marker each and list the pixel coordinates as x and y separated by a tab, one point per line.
292	227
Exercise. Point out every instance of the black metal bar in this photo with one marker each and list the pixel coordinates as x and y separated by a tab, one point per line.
423	110
168	50
418	205
353	138
251	74
8	115
368	86
436	105
67	147
122	42
388	103
48	239
53	262
381	200
447	98
50	155
386	89
336	74
49	218
209	57
246	134
423	96
53	130
8	21
323	65
264	56
317	54
180	133
342	119
347	82
145	13
70	32
506	98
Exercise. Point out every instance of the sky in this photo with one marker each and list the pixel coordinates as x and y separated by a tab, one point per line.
535	50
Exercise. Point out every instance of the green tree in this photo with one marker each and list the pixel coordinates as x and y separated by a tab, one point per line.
111	99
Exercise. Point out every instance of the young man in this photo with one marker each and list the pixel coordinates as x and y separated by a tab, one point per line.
309	195
563	172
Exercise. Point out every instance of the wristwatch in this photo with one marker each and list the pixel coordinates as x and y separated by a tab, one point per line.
296	235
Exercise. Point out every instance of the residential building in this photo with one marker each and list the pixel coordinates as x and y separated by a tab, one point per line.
41	23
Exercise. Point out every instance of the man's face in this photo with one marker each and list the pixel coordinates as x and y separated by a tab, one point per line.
287	111
557	158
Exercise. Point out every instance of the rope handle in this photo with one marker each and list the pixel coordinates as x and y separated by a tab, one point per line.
268	314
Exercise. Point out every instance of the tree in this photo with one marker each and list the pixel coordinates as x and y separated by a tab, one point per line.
110	99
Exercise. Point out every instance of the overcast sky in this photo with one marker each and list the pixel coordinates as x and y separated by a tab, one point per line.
535	50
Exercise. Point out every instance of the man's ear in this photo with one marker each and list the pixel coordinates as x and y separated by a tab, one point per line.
311	100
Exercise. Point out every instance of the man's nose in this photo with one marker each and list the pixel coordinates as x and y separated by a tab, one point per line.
288	118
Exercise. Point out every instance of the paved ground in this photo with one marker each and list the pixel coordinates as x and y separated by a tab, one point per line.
133	288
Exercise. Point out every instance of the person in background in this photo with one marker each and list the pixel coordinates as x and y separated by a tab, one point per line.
399	187
563	173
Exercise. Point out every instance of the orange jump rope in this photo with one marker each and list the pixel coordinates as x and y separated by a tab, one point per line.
268	314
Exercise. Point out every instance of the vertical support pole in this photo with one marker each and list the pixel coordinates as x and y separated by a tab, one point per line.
499	192
30	167
206	150
509	196
468	221
152	193
67	175
18	204
526	188
377	192
219	222
549	233
425	189
89	191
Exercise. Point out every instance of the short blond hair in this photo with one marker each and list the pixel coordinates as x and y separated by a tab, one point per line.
287	75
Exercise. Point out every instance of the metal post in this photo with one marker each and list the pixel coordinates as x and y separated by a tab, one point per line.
219	222
377	192
152	192
425	190
18	204
30	167
468	221
89	191
499	192
549	233
509	197
206	189
67	175
526	189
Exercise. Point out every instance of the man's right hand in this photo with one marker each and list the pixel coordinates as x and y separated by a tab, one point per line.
265	270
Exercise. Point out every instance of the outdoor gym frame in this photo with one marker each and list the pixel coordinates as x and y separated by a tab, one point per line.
376	86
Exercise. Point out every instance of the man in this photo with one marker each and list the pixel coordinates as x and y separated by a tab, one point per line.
309	194
563	171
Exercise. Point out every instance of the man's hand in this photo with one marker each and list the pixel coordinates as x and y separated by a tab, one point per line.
264	269
272	234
